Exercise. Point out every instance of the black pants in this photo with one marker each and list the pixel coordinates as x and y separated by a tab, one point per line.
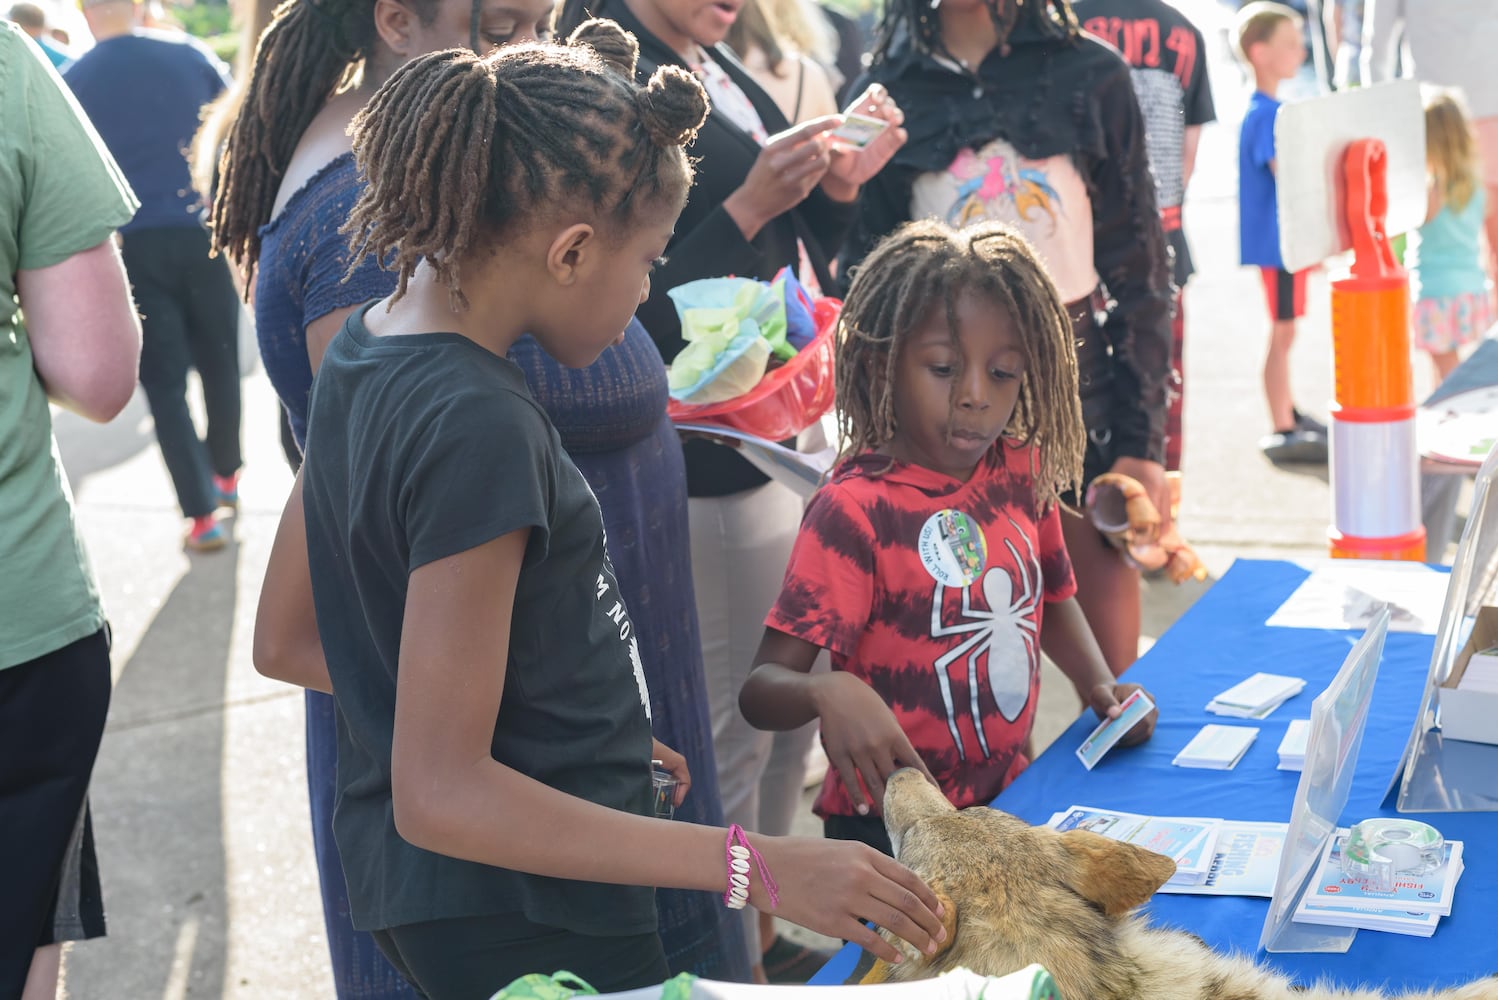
472	958
189	319
52	713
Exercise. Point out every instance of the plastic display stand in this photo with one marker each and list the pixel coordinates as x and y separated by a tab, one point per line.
1436	774
1339	714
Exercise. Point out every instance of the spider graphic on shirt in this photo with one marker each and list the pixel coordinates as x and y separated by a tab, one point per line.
1004	637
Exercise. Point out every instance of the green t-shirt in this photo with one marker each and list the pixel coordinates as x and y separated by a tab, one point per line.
60	194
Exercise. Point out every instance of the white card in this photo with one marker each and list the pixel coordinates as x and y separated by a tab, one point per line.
1260	689
1217	747
1108	732
859	130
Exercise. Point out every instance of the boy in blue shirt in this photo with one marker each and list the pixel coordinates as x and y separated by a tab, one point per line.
1269	40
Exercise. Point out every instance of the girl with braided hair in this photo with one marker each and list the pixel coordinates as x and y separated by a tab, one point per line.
1017	116
926	563
766	195
494	770
289	183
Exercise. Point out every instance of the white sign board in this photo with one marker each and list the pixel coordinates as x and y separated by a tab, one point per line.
1310	138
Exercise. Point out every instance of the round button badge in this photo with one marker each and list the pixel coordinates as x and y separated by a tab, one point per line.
952	548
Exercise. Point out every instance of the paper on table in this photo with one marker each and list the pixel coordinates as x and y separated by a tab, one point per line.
1217	747
1347	593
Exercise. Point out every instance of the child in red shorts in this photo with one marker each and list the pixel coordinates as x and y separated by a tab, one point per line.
1269	41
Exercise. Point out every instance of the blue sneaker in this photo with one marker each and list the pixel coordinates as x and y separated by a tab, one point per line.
226	490
206	534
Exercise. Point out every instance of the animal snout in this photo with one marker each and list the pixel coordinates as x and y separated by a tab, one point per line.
909	798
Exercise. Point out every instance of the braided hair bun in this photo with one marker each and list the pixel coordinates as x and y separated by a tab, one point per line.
613	44
672	106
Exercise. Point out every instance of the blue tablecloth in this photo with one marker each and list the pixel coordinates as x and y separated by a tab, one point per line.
1220	641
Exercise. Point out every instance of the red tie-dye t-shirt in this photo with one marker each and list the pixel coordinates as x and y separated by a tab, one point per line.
931	591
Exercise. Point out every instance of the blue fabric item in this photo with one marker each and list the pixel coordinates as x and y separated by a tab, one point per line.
1220	641
611	417
615	402
301	278
144	92
1258	218
1445	260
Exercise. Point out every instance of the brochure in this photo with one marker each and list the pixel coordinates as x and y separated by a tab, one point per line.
1429	893
1219	748
801	472
1187	842
1108	732
1245	861
1389	921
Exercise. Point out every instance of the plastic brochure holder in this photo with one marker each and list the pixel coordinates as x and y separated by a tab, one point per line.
1339	714
1436	773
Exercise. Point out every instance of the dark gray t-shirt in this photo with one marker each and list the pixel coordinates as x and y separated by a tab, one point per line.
420	447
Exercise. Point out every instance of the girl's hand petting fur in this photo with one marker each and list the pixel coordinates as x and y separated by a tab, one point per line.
832	886
863	738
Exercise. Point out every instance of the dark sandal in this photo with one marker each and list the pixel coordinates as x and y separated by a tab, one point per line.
788	963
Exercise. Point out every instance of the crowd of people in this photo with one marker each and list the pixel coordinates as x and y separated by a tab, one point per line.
508	585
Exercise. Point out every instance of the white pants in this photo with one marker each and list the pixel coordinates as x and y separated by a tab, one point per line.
740	546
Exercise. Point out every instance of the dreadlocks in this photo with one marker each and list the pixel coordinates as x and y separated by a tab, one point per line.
310	51
456	147
921	21
926	266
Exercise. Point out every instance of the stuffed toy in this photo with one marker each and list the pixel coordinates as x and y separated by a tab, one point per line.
1124	513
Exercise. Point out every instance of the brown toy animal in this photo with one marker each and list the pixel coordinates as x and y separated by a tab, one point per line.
1016	894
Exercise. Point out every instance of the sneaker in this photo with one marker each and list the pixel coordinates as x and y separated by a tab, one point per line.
1295	445
226	490
1305	423
206	534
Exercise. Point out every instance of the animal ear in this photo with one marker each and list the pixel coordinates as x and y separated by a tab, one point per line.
1118	877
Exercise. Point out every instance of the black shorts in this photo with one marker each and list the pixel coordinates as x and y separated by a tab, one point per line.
864	829
1284	293
475	957
52	713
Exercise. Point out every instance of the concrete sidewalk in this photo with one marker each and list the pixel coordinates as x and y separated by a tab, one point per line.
199	795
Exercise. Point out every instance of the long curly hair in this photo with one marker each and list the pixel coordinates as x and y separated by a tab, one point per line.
310	51
923	268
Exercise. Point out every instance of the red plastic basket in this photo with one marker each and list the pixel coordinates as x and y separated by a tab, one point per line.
788	399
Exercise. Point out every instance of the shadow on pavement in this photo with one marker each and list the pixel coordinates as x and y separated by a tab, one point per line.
158	802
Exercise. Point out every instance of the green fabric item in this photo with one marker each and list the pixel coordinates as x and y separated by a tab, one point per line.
678	987
535	986
60	194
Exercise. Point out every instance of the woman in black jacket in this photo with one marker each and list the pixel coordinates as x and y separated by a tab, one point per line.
766	196
1017	116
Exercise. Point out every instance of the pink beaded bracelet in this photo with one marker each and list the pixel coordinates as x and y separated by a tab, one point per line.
738	852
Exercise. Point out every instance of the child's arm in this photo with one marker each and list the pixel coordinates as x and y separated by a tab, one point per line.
451	796
860	733
1433	199
1067	639
287	646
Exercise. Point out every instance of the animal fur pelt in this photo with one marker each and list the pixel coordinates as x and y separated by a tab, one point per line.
1016	894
